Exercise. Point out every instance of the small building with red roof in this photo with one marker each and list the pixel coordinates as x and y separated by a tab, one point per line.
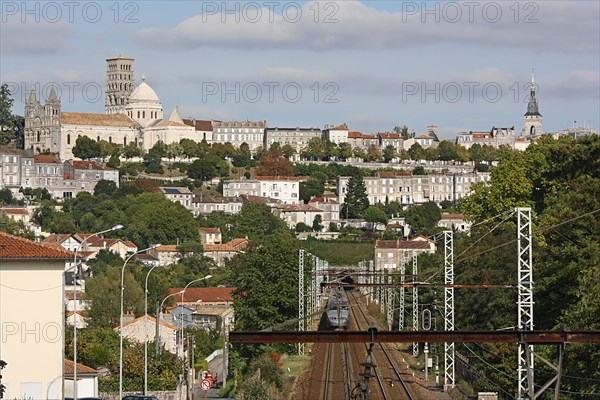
32	273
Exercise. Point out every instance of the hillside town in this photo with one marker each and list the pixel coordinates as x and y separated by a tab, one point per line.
92	203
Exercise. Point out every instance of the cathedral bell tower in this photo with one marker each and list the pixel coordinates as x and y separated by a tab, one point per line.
532	119
119	83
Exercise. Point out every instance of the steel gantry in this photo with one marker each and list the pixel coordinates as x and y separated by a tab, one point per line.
448	308
525	302
301	298
390	302
415	302
401	298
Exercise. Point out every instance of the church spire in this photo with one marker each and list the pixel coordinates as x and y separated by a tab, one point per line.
532	106
32	98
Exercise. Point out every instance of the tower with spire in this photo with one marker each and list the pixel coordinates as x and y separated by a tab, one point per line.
532	118
42	123
119	84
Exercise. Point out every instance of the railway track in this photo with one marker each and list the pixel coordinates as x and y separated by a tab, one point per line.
387	387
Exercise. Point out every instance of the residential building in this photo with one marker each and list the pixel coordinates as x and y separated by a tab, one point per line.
210	235
87	380
389	253
49	174
121	247
16	169
298	138
359	140
137	329
223	252
406	188
336	134
32	273
207	204
455	222
249	132
204	129
181	195
495	137
390	139
84	175
283	188
295	214
330	207
207	303
399	225
17	214
166	254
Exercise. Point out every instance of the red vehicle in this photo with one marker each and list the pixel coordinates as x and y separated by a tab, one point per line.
208	380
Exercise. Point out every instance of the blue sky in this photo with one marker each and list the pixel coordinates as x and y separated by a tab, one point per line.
372	64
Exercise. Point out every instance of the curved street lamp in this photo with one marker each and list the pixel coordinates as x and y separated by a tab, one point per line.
146	331
121	317
114	228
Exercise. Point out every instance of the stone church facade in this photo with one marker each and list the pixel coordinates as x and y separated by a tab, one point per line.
131	115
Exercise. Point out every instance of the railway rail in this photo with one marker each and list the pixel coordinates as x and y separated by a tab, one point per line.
388	389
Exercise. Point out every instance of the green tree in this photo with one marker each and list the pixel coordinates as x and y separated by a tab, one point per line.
203	169
345	151
423	218
447	150
132	150
86	148
317	224
373	153
288	150
7	120
311	188
256	221
389	153
266	281
103	293
316	149
356	201
375	216
419	170
105	187
416	152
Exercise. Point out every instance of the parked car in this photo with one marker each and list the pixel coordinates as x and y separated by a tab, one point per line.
139	397
84	398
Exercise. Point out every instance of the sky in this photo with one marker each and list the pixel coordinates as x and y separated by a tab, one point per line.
464	66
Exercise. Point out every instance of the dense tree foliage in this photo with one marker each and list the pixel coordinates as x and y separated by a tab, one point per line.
560	180
356	201
274	163
86	148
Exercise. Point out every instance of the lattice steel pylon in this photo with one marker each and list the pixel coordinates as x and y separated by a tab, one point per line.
401	298
525	302
448	308
390	302
301	299
415	303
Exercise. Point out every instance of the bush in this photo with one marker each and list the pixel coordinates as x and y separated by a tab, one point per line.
181	166
302	227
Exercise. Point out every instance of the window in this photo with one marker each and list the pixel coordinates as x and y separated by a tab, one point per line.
110	139
68	139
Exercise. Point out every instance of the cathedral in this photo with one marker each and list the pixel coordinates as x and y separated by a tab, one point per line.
131	115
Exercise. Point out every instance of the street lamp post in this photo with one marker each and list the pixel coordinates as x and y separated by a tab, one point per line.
181	313
121	317
161	306
146	332
225	356
114	228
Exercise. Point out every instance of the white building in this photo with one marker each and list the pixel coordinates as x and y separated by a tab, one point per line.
455	222
138	328
283	188
336	134
406	188
181	195
249	132
32	273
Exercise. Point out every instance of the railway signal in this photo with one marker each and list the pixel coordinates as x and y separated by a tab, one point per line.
426	320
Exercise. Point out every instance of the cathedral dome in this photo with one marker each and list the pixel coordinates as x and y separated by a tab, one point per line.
144	93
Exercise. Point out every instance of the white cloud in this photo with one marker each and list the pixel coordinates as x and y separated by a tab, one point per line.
553	25
35	38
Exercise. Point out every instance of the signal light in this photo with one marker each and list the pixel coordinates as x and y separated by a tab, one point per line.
426	320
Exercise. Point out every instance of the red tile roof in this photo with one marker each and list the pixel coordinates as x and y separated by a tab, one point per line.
342	127
90	165
167	248
453	216
209	294
199	124
22	211
81	369
14	247
46	159
58	238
